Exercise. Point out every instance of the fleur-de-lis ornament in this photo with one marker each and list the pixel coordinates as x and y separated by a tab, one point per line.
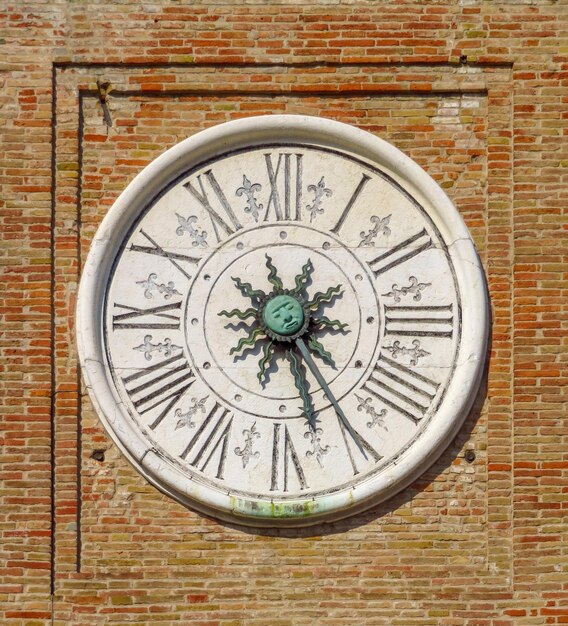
249	189
320	192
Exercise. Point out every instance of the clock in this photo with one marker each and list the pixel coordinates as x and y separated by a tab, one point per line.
282	320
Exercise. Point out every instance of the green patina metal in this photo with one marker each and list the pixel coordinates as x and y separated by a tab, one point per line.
281	318
301	384
264	509
283	314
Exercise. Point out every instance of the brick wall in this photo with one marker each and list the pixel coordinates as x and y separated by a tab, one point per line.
474	91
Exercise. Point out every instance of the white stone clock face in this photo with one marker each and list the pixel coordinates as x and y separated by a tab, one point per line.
282	320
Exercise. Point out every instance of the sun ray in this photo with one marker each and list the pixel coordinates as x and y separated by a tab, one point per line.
267	352
260	334
316	346
325	322
301	384
324	298
247	290
242	315
273	277
302	278
249	340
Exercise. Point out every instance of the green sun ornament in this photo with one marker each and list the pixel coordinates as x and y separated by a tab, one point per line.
283	322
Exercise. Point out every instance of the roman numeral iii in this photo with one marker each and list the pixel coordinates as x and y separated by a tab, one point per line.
419	321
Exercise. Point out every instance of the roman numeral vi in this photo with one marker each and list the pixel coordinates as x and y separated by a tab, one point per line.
284	457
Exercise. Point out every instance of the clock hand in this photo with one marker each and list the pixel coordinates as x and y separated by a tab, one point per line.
302	387
338	410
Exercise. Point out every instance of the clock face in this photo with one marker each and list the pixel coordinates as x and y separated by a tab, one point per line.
282	320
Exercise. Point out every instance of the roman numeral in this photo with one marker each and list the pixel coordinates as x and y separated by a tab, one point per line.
401	389
159	387
284	456
203	199
173	257
419	321
283	212
364	180
214	443
168	314
401	252
360	442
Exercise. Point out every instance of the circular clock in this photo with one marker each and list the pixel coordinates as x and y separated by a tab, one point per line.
282	320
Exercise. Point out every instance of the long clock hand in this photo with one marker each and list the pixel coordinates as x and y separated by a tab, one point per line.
302	387
338	410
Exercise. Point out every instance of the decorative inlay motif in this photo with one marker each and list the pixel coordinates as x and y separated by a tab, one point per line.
415	353
186	225
377	419
249	189
317	450
380	226
150	285
166	347
320	192
246	452
184	419
415	288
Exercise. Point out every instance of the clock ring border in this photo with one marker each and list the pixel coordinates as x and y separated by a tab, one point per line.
254	132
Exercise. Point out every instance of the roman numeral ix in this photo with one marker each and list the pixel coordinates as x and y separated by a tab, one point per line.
162	317
159	387
401	389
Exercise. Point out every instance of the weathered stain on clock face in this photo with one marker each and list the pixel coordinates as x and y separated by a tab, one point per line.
283	322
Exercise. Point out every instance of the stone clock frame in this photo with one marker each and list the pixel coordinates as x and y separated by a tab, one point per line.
462	388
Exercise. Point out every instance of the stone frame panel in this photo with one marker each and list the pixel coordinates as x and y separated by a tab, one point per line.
74	85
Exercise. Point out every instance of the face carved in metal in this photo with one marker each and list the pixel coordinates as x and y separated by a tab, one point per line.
284	315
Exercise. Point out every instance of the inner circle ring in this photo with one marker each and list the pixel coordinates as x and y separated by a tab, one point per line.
200	334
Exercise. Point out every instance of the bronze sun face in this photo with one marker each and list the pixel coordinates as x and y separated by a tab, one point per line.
281	320
283	314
